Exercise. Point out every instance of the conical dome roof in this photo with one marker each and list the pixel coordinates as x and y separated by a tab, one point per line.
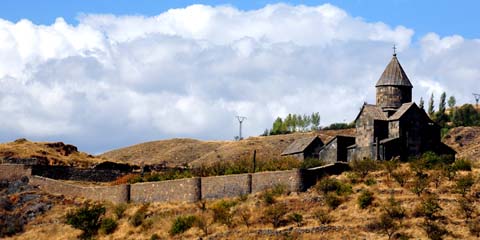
394	75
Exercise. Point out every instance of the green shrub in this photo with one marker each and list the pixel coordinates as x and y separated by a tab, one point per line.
365	199
327	185
464	184
182	224
297	218
391	165
434	230
154	237
401	177
370	182
108	225
333	200
323	217
385	224
430	160
139	216
420	183
119	210
363	167
222	212
394	209
274	214
429	207
462	165
87	219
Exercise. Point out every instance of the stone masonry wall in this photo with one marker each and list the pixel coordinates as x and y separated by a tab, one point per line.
226	186
115	194
292	179
182	190
14	171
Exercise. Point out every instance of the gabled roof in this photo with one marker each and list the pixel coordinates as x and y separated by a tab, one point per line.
402	110
300	145
373	111
393	75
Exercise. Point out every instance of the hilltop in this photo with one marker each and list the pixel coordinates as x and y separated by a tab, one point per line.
56	153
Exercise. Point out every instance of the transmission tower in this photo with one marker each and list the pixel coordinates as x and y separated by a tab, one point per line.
240	121
477	98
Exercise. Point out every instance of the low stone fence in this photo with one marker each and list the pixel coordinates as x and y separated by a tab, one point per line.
181	190
115	194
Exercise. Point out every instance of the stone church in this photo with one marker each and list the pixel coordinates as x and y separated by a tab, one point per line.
394	127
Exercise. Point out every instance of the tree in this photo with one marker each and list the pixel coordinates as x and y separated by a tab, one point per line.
431	108
278	127
451	102
466	115
315	121
442	104
421	105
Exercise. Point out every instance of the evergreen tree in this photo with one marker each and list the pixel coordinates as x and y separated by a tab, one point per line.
442	104
278	127
451	102
290	123
315	121
431	108
421	105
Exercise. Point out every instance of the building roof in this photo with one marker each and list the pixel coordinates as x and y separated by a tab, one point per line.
373	111
401	111
393	75
300	145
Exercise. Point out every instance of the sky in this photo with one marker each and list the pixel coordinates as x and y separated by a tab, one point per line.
105	74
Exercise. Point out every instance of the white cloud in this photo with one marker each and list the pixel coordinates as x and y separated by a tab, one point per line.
112	80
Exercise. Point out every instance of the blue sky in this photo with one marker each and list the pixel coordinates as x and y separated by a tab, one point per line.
116	73
444	17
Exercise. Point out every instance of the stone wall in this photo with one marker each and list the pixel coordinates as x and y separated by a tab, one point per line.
14	171
77	174
182	190
115	194
292	179
226	186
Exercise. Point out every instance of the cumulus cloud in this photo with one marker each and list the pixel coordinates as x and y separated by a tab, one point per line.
111	81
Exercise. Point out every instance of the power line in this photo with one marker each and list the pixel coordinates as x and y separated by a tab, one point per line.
240	121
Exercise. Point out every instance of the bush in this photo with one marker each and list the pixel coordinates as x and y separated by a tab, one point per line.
154	237
385	224
245	215
87	219
394	209
434	230
464	184
275	213
119	210
467	207
401	177
297	218
323	217
420	183
429	207
139	216
108	226
430	160
365	199
462	165
327	185
222	212
363	167
333	200
182	224
370	182
474	227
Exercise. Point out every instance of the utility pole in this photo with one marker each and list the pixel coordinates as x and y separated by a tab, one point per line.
240	121
477	98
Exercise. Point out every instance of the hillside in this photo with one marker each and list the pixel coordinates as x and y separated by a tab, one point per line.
466	141
176	152
56	153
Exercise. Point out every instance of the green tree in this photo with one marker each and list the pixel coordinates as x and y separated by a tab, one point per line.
451	102
442	104
315	121
466	115
440	117
290	123
421	105
278	127
431	108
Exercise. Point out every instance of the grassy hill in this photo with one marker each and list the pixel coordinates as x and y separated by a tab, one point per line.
175	152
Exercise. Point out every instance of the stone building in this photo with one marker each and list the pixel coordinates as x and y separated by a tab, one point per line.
304	148
394	127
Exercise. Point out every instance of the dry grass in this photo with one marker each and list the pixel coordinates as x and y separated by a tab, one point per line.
54	155
176	152
348	219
